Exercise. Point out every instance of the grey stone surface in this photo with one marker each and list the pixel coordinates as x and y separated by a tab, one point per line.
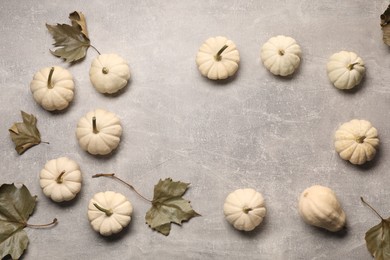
255	130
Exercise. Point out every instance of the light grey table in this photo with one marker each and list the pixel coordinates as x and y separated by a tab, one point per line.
256	130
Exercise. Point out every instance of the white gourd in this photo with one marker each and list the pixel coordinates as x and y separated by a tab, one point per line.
345	69
356	141
109	73
109	212
318	206
99	132
60	179
218	58
244	209
53	88
281	55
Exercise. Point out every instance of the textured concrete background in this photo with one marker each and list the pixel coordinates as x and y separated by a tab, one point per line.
256	130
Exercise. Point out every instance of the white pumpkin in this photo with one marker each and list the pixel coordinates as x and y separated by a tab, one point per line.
109	212
218	58
281	55
356	141
99	132
318	206
109	73
244	209
345	69
53	88
60	179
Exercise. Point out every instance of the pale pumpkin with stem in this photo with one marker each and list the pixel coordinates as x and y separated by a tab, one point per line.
61	179
345	69
319	206
218	58
281	55
356	141
53	88
244	209
109	73
99	132
109	212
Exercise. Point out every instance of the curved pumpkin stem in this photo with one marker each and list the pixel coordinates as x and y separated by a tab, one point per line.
94	127
49	83
218	56
107	211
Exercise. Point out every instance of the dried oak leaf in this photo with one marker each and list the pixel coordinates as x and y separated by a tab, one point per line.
168	206
72	40
16	206
385	23
378	238
25	135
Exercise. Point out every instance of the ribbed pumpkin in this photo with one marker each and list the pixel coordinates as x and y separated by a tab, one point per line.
53	88
356	141
345	69
244	209
218	58
109	212
109	73
99	132
318	206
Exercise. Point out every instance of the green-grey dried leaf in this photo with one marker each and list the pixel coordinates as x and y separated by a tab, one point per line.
378	240
16	206
78	19
385	23
168	206
71	40
26	134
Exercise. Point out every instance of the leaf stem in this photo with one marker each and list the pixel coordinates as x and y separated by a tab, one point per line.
94	128
376	212
45	142
43	225
93	47
49	83
218	56
112	175
107	211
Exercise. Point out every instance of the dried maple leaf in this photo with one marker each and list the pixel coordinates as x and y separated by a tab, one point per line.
72	40
385	23
168	206
25	135
378	238
16	206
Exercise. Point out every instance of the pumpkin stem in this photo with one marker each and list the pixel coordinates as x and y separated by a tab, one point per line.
49	83
281	52
246	210
376	212
107	211
112	175
94	128
95	49
218	56
43	225
350	66
360	139
105	70
59	178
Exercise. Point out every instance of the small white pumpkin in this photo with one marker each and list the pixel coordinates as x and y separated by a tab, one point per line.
244	209
53	88
281	55
99	132
345	69
356	141
318	206
218	58
109	73
61	179
109	212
